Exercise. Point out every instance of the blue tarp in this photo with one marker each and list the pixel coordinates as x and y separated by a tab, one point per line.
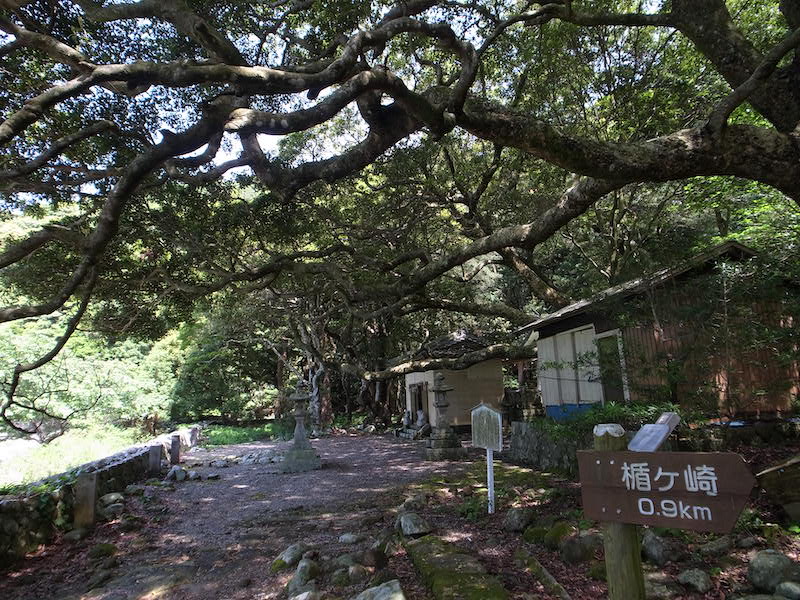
565	411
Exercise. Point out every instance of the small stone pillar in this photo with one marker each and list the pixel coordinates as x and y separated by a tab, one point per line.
194	435
85	498
175	449
154	460
301	456
443	443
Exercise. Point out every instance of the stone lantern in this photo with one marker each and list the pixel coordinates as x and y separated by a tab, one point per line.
301	456
443	443
440	389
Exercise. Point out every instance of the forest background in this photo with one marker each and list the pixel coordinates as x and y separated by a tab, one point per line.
459	166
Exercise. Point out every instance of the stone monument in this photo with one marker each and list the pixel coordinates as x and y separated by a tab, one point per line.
443	443
301	456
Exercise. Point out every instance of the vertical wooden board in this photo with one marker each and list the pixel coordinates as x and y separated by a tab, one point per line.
567	374
487	428
591	388
547	374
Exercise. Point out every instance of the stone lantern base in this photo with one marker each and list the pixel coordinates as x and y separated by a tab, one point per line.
298	460
444	445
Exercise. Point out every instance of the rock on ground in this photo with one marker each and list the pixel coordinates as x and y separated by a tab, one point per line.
390	590
176	473
517	519
412	525
556	534
451	573
349	538
303	578
716	547
289	557
788	589
307	596
76	534
579	548
697	579
112	498
357	573
654	548
767	569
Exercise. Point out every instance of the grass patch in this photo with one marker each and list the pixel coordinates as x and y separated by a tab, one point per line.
224	435
72	449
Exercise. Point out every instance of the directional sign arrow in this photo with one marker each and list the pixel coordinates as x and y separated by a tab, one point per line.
702	491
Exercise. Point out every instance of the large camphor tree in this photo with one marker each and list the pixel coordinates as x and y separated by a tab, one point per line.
340	166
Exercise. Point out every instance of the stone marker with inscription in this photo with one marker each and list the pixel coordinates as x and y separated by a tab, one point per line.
701	491
487	432
175	449
154	459
651	436
85	499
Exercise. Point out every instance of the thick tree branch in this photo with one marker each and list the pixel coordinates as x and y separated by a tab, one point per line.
496	351
719	117
746	151
108	221
21	368
57	148
177	12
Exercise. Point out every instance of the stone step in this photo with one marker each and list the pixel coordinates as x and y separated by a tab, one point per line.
451	573
408	434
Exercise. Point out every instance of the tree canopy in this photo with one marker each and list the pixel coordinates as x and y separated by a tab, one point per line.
354	176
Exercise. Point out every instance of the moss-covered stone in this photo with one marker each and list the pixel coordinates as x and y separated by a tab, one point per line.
452	574
102	551
278	565
597	570
535	534
340	577
556	534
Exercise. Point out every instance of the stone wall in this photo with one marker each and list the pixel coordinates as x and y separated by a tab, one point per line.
33	517
535	447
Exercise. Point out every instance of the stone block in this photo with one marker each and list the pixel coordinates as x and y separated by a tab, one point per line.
445	453
85	498
175	449
298	460
154	454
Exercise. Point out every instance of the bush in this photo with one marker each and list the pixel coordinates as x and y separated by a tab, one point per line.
223	435
630	416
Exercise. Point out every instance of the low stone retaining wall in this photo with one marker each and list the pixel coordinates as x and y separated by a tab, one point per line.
533	445
32	518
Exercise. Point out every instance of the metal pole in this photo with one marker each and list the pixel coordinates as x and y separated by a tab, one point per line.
490	478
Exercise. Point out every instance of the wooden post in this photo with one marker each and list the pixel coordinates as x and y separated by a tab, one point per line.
490	477
620	540
85	498
175	450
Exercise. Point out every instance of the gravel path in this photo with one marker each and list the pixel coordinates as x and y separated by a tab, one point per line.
216	539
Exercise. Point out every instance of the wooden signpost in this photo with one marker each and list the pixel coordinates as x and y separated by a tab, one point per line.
487	432
702	491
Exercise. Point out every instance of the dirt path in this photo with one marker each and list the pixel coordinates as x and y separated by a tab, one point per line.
217	539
